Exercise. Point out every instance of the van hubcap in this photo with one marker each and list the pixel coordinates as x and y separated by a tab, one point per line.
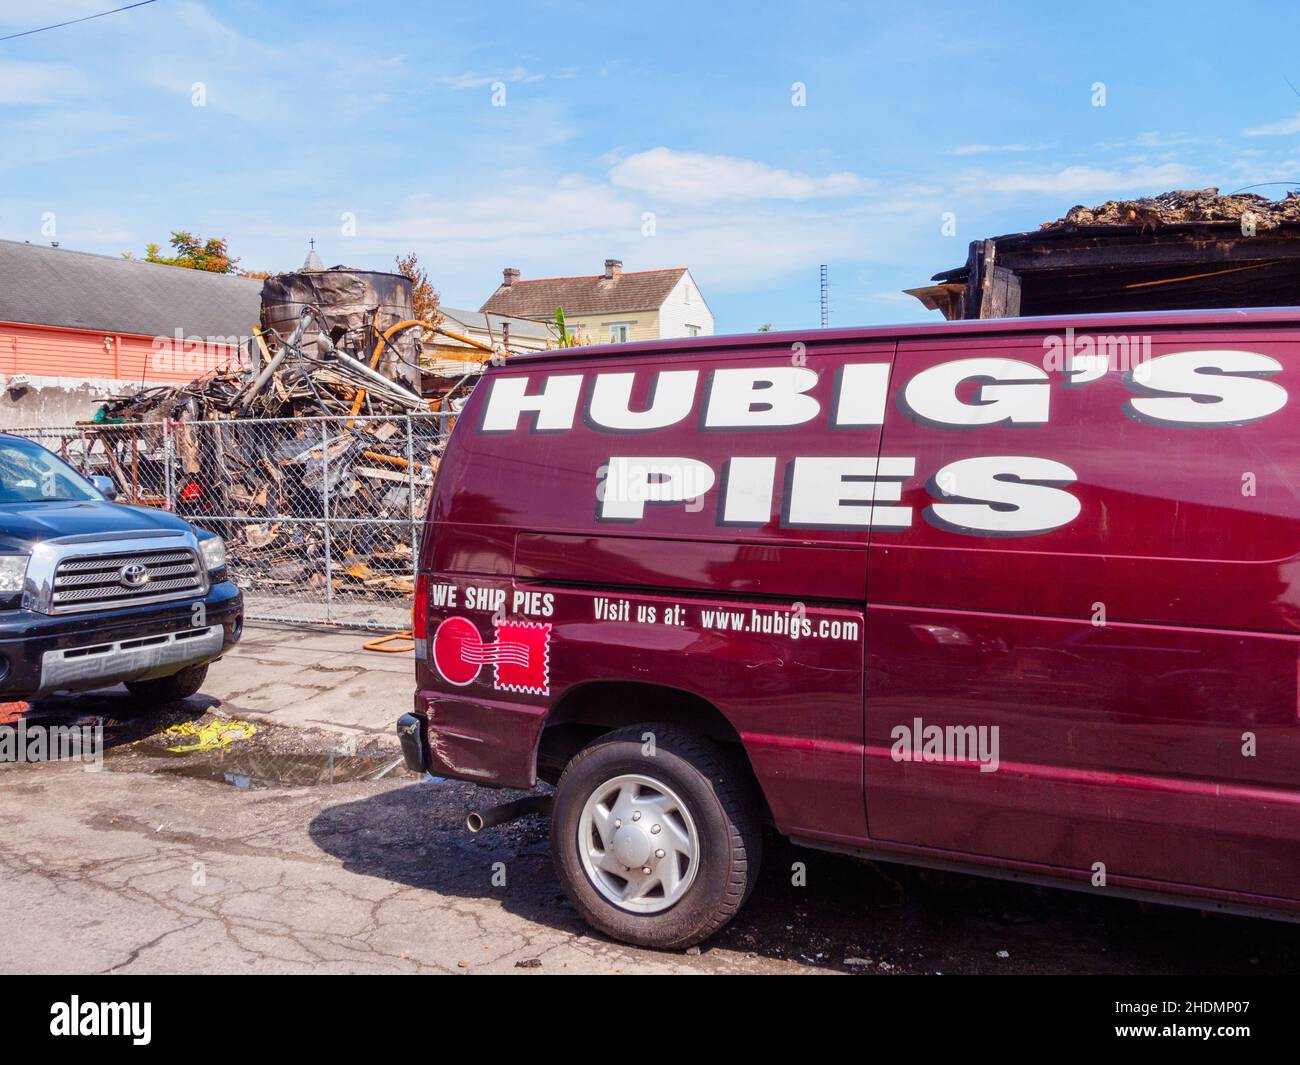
638	843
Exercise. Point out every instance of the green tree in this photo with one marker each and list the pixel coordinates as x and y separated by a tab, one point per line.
192	253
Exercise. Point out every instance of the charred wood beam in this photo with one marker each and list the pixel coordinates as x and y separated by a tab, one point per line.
1001	295
1102	254
974	269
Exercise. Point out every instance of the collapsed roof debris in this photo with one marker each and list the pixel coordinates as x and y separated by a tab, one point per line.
332	342
1177	251
336	343
1195	205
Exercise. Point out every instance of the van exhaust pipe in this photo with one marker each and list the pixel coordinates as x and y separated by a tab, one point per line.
508	811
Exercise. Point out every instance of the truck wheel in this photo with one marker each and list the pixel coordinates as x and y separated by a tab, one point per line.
657	849
170	689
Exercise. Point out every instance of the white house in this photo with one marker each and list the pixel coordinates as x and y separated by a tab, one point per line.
610	308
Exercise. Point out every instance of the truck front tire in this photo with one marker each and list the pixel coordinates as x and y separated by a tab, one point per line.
169	689
655	835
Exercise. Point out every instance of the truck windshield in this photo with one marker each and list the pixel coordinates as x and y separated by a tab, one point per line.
30	474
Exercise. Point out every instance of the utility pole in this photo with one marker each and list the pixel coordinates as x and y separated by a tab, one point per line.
826	299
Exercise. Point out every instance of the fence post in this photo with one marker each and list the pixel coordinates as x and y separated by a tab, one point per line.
169	456
325	482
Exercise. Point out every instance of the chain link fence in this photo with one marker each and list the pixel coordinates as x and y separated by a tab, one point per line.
321	516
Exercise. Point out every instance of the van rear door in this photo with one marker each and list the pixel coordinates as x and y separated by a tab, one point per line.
692	520
1123	683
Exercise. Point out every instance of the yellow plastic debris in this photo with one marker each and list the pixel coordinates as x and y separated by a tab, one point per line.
221	732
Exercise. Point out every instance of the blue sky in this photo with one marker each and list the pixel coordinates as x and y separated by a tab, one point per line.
317	113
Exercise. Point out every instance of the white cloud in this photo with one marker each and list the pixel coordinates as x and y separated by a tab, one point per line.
698	179
199	19
259	80
1276	129
61	134
1082	180
471	80
512	211
1152	139
984	149
550	226
39	83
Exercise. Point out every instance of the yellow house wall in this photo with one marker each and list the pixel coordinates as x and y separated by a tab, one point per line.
644	325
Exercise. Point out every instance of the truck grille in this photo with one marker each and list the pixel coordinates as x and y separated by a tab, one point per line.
91	582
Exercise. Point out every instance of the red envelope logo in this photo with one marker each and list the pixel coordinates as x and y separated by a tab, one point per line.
520	656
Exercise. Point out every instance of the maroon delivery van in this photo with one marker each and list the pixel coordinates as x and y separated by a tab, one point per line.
1017	597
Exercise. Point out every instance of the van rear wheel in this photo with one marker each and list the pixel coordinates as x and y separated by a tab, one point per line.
655	835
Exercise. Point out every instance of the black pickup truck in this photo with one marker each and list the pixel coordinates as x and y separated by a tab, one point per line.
95	593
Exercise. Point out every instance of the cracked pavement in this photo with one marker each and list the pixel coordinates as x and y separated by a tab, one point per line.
134	869
152	864
313	679
125	871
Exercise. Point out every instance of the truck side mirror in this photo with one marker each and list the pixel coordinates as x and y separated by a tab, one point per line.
105	486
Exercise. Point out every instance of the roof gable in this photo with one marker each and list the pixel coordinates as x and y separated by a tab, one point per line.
478	320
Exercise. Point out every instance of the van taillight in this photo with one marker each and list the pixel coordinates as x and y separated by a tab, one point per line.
420	608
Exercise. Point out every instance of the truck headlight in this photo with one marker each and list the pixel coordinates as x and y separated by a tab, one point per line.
214	553
13	571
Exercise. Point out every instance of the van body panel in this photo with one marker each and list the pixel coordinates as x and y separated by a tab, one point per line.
1163	504
525	503
748	570
1119	745
531	480
489	741
807	755
1137	659
1124	659
462	547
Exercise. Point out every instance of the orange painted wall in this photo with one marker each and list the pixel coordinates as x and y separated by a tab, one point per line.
54	351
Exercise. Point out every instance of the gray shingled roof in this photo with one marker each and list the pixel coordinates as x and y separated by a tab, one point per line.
57	286
520	327
642	290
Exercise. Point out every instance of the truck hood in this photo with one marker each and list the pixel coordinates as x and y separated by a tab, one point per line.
23	525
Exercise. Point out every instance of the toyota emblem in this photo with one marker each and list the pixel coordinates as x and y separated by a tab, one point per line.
133	575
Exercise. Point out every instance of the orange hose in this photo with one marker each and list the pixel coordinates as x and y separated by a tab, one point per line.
384	338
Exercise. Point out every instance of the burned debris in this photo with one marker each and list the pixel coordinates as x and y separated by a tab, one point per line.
1178	207
316	459
1177	251
330	343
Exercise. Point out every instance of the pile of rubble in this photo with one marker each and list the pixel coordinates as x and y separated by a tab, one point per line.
268	486
243	459
1182	206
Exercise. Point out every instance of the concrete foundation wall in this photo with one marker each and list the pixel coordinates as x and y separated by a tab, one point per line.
33	402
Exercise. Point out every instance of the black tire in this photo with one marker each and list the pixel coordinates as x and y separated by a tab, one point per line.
717	788
169	689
